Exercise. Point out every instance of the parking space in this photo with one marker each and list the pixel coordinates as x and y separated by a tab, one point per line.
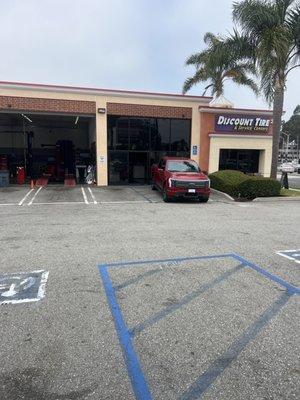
183	323
13	195
195	322
119	194
59	194
87	195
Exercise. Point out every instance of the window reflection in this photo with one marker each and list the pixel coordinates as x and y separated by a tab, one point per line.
157	134
160	134
136	143
179	139
139	130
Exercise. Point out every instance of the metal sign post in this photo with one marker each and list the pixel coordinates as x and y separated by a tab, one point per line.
284	180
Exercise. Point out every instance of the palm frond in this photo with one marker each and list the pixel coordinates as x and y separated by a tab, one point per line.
244	80
210	86
240	45
293	24
254	16
197	59
199	76
267	84
210	39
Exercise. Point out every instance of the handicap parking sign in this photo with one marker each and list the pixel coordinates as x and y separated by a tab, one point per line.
23	287
291	255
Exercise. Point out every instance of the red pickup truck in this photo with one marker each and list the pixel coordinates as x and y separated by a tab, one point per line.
180	177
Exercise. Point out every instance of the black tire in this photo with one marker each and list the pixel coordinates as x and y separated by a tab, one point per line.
165	197
203	199
153	187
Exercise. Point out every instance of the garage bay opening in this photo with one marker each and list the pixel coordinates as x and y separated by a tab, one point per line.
46	148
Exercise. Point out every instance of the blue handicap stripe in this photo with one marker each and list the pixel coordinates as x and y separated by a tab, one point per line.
134	369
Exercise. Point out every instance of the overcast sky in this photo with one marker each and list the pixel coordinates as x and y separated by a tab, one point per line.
116	44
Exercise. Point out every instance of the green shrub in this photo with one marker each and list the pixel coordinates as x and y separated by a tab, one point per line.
227	181
242	186
258	187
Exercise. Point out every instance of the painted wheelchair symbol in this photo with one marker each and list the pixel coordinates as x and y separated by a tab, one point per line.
23	287
15	285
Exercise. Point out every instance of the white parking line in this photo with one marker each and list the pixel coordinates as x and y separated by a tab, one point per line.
84	196
92	195
37	192
125	202
283	254
59	203
25	197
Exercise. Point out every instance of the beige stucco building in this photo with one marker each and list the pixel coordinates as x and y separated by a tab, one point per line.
56	130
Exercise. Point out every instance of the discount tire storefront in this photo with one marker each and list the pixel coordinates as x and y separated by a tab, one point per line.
123	133
239	139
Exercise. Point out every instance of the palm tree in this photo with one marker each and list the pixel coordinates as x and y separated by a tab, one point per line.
215	65
273	31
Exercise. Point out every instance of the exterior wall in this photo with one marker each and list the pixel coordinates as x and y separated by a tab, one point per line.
101	145
141	110
156	105
35	104
212	142
46	99
207	126
264	144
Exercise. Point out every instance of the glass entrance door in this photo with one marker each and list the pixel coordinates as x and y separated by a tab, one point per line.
138	167
118	168
128	167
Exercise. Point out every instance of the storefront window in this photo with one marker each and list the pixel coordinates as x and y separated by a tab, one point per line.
179	139
242	160
122	134
160	134
139	132
136	143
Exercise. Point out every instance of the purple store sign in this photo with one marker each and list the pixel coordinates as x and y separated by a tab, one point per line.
242	123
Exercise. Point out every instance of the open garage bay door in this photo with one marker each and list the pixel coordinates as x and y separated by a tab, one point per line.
53	147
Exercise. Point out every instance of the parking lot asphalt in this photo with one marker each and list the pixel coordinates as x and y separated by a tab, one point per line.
188	319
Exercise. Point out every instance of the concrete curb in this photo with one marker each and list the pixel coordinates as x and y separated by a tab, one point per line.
222	194
274	199
258	199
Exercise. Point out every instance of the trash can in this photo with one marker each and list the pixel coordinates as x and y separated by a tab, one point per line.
4	178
